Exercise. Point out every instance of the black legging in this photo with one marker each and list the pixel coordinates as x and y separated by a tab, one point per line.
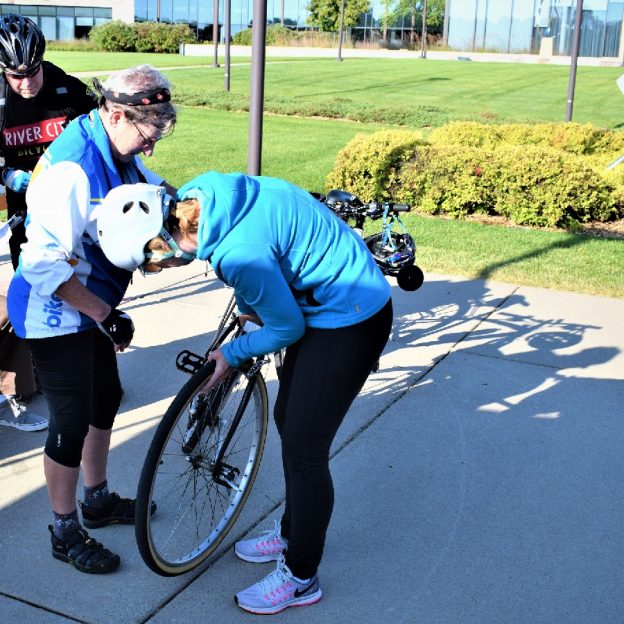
80	381
322	375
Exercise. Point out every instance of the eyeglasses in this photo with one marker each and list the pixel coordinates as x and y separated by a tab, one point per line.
22	75
147	141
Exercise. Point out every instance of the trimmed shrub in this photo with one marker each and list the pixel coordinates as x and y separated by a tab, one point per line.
113	37
573	138
162	38
528	184
140	37
368	165
449	180
546	187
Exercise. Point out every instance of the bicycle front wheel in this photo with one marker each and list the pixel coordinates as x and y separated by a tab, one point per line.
199	469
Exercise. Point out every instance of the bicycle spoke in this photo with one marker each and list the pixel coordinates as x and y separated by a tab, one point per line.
200	492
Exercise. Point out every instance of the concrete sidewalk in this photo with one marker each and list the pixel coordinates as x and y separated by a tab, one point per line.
478	476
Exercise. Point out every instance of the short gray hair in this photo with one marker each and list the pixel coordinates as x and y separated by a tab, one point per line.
137	80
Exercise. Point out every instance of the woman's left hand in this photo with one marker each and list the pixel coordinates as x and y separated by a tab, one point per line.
221	372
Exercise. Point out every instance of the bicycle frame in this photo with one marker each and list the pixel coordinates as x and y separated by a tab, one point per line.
387	225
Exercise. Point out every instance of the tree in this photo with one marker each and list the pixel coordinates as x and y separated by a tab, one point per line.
387	17
325	14
413	9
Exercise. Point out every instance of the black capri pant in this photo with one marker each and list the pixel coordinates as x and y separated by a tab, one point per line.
322	374
80	380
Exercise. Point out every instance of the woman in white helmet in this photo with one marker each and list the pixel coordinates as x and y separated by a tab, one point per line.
63	300
312	284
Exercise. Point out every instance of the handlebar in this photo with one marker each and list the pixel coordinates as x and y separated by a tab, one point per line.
349	205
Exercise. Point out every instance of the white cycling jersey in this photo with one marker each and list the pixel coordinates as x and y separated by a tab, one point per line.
65	192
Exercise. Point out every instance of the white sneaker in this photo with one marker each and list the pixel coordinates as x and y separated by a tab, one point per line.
266	547
16	414
278	591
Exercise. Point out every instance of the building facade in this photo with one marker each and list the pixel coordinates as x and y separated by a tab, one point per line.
534	26
69	19
63	19
530	26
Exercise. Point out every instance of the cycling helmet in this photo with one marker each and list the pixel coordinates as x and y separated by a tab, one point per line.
22	43
129	217
395	255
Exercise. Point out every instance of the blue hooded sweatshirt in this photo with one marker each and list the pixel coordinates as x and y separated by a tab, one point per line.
289	259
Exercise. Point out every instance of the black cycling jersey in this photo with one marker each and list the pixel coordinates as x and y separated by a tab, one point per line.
29	125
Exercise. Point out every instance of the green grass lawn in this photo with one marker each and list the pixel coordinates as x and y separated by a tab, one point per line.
421	92
545	259
303	150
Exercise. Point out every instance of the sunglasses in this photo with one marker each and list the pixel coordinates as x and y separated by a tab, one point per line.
21	75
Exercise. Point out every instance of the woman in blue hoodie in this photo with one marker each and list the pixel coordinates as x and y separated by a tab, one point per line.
311	283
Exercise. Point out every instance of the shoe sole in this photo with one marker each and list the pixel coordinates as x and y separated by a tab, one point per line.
260	559
81	568
302	602
36	427
98	524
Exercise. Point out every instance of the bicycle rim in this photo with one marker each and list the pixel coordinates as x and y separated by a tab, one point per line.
195	511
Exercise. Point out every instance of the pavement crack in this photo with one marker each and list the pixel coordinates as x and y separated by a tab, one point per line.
43	608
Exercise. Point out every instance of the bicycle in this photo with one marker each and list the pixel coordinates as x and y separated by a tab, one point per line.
202	461
393	248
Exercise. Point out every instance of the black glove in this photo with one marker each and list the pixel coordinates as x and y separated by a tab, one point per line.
118	326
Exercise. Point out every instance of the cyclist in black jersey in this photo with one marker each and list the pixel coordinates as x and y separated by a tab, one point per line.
37	100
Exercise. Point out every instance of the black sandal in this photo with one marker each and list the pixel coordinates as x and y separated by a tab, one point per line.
83	552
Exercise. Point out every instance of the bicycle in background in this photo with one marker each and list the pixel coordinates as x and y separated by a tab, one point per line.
393	248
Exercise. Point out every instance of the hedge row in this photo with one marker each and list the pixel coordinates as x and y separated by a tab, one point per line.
529	184
570	137
140	37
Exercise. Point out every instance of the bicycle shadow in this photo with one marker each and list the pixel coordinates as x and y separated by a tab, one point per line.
501	462
467	316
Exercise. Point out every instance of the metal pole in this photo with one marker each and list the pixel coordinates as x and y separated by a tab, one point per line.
510	27
423	50
228	26
574	58
256	103
342	8
215	31
447	9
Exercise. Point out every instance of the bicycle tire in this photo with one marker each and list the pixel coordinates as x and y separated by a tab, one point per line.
195	512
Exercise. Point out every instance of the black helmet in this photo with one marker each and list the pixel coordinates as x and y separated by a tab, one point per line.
22	43
395	254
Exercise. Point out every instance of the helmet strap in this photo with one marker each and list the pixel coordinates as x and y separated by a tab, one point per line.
175	252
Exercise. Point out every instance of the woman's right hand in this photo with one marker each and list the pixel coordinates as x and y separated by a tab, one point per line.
221	372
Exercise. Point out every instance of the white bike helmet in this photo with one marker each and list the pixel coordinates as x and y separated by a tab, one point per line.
129	217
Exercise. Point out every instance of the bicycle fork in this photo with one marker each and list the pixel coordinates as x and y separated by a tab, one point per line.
222	473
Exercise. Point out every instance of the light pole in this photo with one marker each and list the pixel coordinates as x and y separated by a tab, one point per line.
423	49
342	9
228	19
574	58
256	102
215	31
